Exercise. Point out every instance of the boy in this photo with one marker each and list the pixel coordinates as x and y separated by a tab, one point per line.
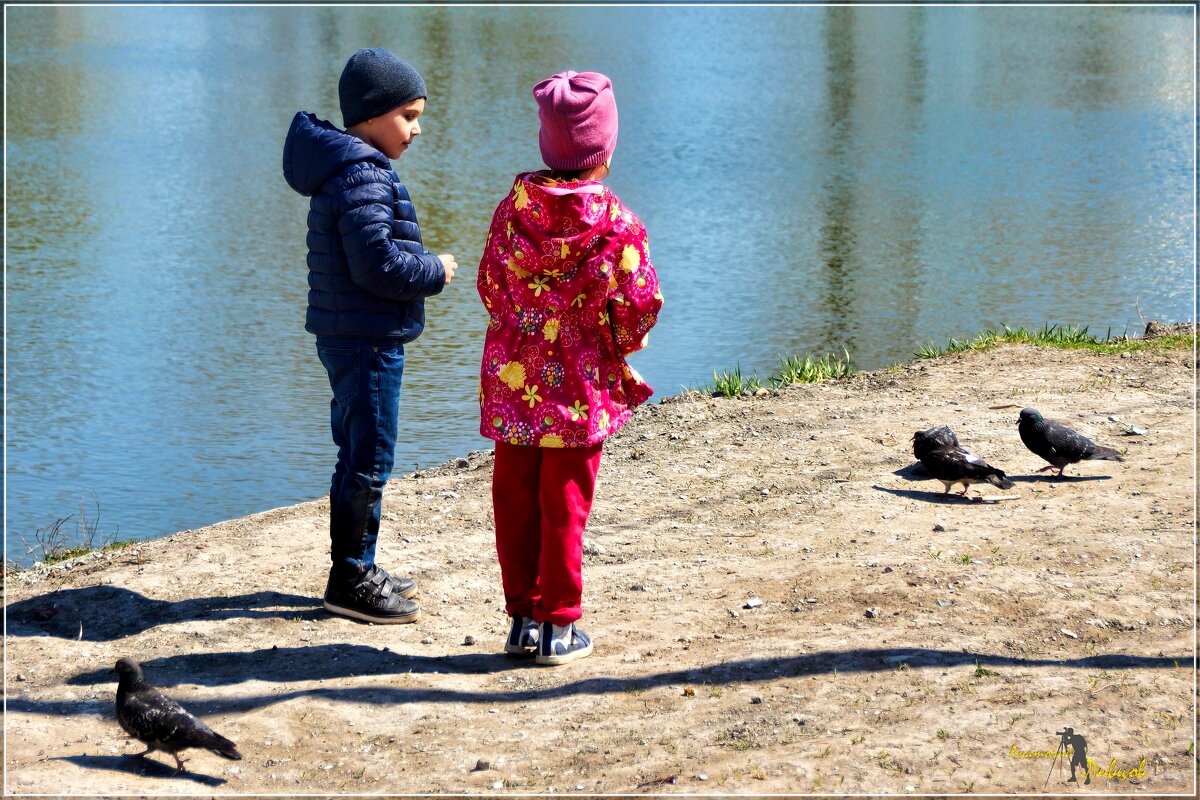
368	276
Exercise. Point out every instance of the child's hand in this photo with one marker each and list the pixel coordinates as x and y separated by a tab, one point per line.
449	264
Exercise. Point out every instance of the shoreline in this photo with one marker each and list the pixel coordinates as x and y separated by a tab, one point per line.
794	370
778	604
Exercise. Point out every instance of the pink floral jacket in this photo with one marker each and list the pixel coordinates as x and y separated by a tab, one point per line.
570	292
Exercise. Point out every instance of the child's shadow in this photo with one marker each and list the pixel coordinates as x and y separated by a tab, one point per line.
146	767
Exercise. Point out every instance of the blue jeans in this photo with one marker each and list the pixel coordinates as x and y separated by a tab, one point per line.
365	417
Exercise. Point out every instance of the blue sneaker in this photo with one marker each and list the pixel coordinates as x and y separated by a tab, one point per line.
522	637
562	645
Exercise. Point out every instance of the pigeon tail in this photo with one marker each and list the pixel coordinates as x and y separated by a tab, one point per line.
1000	481
221	746
1104	454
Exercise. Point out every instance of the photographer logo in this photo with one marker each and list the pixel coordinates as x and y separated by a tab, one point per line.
1072	748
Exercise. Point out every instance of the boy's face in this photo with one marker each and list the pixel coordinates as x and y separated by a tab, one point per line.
394	131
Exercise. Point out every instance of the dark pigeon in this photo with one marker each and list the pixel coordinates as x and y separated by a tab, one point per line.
159	722
952	465
924	441
1059	444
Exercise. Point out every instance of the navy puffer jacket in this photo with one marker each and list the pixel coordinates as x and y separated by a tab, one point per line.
368	273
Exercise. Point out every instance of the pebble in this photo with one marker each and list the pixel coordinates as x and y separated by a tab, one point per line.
481	766
590	548
872	613
498	785
468	640
942	603
701	777
753	602
462	463
427	640
938	528
756	700
1066	632
734	614
810	599
887	570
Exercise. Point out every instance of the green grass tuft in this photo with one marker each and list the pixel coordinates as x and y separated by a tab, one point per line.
792	369
1068	337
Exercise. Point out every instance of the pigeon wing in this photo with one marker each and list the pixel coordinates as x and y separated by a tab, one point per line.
947	463
1068	444
153	717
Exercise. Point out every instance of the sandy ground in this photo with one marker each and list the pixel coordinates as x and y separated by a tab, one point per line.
993	623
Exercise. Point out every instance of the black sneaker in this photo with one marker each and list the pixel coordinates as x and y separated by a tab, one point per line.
405	587
562	645
522	637
371	597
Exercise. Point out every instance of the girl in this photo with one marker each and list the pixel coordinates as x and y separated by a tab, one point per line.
570	292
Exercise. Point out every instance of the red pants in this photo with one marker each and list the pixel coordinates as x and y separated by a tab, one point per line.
542	497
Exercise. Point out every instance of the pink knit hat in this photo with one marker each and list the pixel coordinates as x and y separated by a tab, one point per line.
579	119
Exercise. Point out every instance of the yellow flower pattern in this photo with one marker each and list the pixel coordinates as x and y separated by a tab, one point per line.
531	395
513	373
539	284
550	330
551	440
631	259
578	411
520	196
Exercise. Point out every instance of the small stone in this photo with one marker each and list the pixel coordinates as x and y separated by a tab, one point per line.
701	777
462	463
871	613
797	608
427	640
468	640
498	785
20	677
1124	355
734	614
1066	632
753	602
763	392
886	570
942	603
756	700
765	492
938	528
481	766
798	721
591	548
637	587
810	599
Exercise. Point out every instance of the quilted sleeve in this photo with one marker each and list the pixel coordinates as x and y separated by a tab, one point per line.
634	299
375	260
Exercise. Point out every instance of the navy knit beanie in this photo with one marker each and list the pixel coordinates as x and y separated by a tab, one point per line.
374	82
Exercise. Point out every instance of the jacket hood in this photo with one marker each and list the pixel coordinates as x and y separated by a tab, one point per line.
553	215
315	150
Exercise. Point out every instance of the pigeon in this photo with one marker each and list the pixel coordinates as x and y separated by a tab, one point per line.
924	441
952	465
1059	444
159	722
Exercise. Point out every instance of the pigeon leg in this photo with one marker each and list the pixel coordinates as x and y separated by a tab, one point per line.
1048	466
1060	471
178	763
966	488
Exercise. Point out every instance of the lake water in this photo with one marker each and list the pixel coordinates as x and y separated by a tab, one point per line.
812	178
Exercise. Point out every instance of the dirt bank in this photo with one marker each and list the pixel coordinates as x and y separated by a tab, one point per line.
993	624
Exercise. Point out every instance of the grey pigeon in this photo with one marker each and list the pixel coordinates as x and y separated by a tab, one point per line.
1059	444
952	465
924	441
159	722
